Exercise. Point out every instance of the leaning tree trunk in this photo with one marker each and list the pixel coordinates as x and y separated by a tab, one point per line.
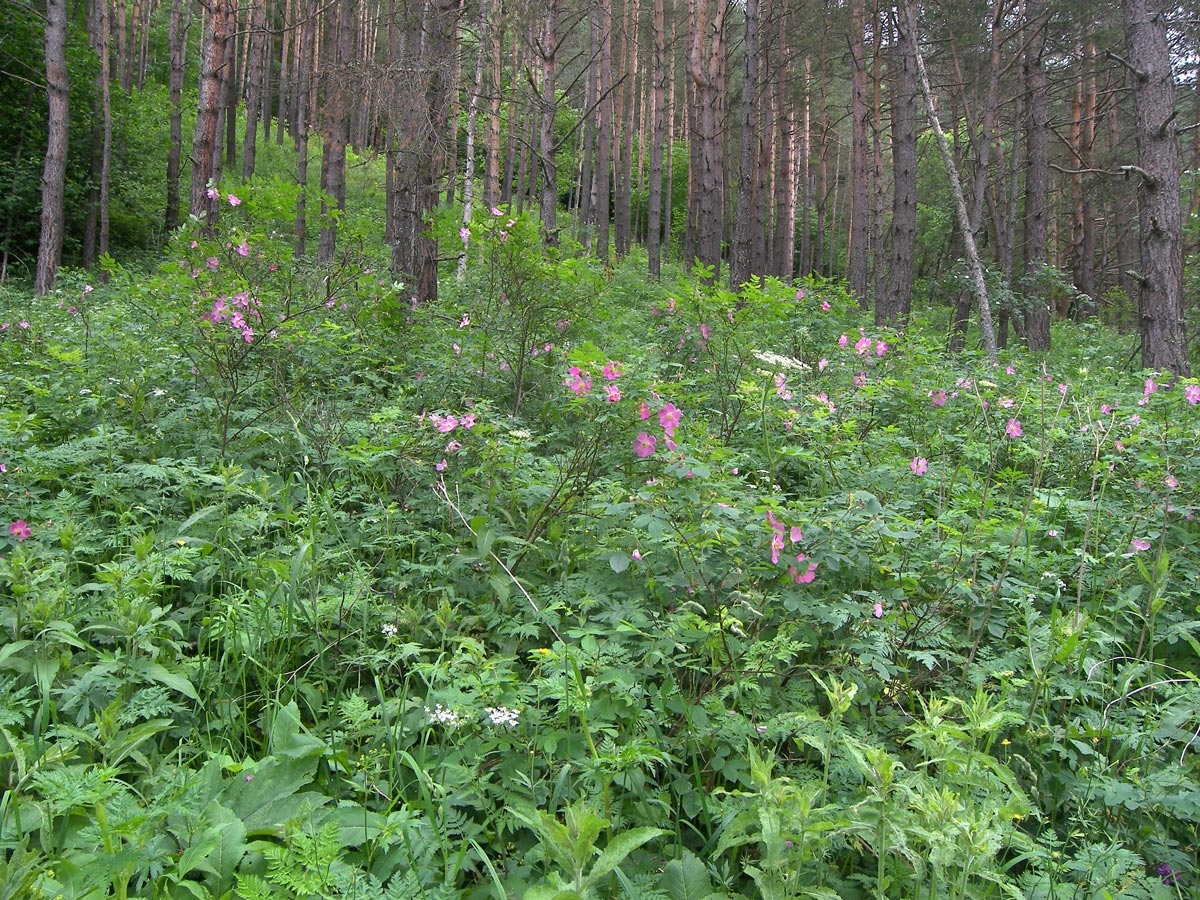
58	126
1164	346
960	204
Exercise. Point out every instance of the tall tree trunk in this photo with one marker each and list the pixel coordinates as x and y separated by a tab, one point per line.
230	82
1164	344
860	172
177	49
706	70
95	241
893	306
784	251
58	126
491	170
547	153
1037	171
960	204
285	60
121	28
306	69
743	235
335	123
602	177
469	166
658	115
623	194
420	111
805	173
254	78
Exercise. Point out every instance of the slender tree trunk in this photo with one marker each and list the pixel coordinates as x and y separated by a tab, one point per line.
95	239
805	174
894	305
121	28
784	251
515	122
547	155
1164	343
658	114
286	88
960	204
491	172
335	122
743	235
860	173
177	49
58	126
1037	172
669	122
230	81
306	71
602	178
254	77
706	59
469	167
623	194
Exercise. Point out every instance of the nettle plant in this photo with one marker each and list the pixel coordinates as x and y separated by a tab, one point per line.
254	324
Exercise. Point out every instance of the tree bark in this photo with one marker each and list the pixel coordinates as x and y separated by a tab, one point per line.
860	173
1164	344
1037	172
204	140
95	241
58	128
548	150
658	114
602	174
744	213
177	50
254	78
706	70
893	306
335	122
306	66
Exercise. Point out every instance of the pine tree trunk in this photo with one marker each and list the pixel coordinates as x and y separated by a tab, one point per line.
894	304
254	65
623	195
1164	344
335	124
306	69
602	175
743	235
177	50
491	171
705	68
658	114
58	126
286	88
547	149
860	175
1037	171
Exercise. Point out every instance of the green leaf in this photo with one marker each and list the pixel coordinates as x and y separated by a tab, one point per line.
619	560
686	878
618	848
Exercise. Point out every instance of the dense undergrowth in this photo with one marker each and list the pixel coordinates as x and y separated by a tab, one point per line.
576	586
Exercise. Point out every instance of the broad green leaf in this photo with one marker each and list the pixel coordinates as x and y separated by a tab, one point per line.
620	847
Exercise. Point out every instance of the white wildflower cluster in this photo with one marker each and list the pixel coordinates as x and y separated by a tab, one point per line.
389	630
779	361
441	715
502	715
